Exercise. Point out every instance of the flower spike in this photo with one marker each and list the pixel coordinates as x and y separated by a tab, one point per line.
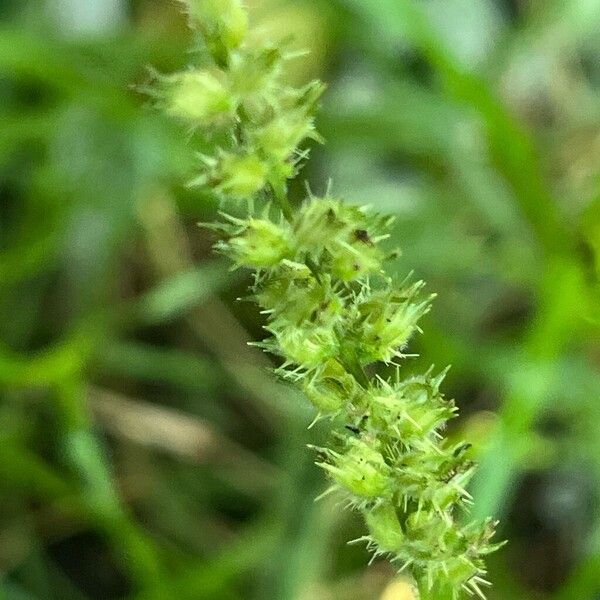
333	315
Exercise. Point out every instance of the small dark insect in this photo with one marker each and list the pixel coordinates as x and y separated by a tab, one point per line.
353	429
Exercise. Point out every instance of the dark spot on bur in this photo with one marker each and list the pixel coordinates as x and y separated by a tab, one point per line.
353	429
330	214
356	267
446	478
362	235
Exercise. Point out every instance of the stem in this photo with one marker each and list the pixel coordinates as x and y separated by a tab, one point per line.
423	593
353	366
283	202
99	492
438	592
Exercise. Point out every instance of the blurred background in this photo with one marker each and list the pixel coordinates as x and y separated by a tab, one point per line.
146	452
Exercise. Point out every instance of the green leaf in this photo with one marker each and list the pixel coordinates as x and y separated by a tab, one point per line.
175	296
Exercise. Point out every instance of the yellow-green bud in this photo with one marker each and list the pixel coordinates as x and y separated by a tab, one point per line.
413	409
361	469
460	569
226	20
254	74
384	527
199	97
240	176
341	237
294	294
274	295
386	321
279	138
353	260
261	244
330	388
426	525
306	346
322	220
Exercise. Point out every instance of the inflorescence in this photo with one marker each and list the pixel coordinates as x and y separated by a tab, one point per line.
332	313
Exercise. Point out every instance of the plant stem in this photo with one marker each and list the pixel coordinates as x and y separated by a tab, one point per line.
284	204
353	366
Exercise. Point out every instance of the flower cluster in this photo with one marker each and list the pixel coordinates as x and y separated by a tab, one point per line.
236	96
332	313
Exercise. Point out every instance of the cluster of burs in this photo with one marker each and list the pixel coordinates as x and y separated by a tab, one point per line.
333	315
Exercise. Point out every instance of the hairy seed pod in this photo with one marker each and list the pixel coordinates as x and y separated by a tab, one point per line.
222	20
360	469
341	237
307	346
261	244
198	97
385	529
236	175
386	320
330	387
279	138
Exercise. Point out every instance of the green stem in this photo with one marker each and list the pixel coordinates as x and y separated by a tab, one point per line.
438	592
280	196
353	366
99	492
423	593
